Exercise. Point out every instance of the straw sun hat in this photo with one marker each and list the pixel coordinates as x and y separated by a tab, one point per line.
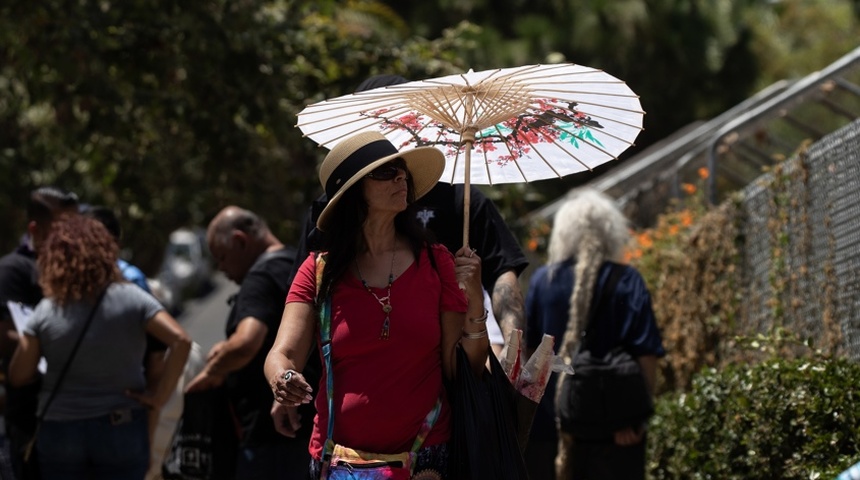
353	158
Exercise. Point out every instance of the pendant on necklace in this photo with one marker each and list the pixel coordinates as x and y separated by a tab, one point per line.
384	334
386	324
384	302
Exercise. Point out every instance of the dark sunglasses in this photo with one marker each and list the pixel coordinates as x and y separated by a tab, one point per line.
389	170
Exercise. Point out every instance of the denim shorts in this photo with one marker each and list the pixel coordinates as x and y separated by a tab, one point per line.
109	447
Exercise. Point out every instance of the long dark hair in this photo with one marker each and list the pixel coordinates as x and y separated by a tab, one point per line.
343	238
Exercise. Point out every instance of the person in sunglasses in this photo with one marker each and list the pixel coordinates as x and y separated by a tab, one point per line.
393	314
440	211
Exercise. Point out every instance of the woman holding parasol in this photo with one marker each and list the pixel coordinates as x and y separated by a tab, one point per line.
386	308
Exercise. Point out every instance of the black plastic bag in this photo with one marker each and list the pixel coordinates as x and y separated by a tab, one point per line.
486	426
205	443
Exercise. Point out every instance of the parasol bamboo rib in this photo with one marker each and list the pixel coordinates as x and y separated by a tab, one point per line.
604	132
360	105
580	101
360	127
587	142
592	145
545	161
571	155
596	115
511	151
487	166
399	107
432	105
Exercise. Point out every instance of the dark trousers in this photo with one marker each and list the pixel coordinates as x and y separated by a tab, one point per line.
20	418
603	460
540	458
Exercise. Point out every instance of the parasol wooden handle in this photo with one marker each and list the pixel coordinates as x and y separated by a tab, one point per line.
468	139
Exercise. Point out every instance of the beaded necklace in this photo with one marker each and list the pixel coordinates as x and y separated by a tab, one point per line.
384	302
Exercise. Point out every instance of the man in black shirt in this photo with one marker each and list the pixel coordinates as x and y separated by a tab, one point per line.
19	282
441	212
250	255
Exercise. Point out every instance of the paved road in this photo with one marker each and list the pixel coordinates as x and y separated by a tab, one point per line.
204	318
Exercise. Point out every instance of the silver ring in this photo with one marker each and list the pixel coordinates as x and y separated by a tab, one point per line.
473	253
288	375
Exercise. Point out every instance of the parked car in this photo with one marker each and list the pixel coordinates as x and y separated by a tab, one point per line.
186	271
164	295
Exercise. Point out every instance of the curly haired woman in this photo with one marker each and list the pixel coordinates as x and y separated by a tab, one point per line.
96	425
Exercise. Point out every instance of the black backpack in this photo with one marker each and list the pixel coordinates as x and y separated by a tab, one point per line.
606	394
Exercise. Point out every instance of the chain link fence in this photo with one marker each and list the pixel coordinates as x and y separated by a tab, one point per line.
801	236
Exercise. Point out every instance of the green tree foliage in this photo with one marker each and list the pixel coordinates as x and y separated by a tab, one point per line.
169	110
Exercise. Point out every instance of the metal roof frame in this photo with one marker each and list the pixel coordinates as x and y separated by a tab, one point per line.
734	146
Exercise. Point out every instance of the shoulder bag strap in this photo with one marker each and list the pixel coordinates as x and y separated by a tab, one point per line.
427	426
325	347
615	272
68	363
41	416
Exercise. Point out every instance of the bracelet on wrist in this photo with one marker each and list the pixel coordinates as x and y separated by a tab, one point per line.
481	319
476	335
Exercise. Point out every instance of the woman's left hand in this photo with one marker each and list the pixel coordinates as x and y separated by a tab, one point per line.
467	265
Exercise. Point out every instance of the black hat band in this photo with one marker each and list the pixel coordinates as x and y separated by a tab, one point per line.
356	161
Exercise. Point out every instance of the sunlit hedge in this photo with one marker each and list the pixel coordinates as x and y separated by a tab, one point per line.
797	419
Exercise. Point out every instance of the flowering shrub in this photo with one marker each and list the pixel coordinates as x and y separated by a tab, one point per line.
689	262
538	236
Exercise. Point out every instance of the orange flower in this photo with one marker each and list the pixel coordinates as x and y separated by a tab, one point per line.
703	173
644	240
689	188
686	218
674	229
532	245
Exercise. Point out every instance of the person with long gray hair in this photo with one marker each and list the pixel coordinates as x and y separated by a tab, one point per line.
586	244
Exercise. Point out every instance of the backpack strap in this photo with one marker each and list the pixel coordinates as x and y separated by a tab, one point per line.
615	273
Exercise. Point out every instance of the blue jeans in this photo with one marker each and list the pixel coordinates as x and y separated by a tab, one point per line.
110	447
